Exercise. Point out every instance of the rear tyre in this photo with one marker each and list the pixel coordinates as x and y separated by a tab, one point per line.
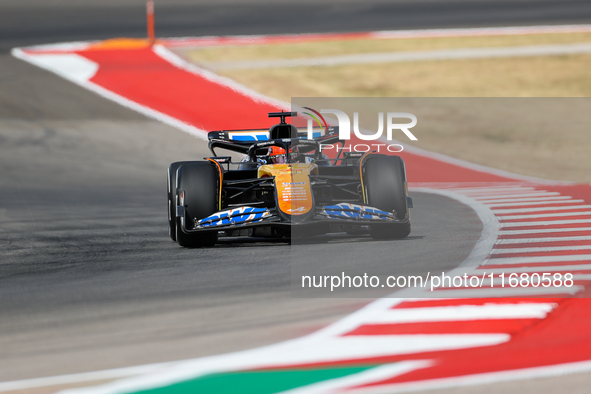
199	182
384	178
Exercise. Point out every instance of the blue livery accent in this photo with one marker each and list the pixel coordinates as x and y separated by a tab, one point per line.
357	212
245	136
258	136
234	216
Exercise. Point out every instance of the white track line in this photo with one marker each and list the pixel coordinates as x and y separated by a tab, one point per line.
409	56
81	377
482	31
208	41
539	209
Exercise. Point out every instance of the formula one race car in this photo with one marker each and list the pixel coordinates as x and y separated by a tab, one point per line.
285	183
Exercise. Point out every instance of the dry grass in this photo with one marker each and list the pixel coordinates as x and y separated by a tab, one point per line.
558	151
545	76
331	48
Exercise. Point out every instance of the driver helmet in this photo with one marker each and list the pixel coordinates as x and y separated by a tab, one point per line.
277	155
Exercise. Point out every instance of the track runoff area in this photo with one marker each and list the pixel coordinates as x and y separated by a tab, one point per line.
476	334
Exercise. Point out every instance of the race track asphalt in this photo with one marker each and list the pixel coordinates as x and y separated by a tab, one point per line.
89	279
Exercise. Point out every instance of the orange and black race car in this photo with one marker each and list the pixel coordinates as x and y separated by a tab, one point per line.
284	186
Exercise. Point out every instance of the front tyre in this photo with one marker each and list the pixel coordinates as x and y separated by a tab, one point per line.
198	182
171	193
385	184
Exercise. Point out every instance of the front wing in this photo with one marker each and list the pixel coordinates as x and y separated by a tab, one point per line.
251	217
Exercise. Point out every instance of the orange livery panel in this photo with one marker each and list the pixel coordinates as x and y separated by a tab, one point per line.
292	184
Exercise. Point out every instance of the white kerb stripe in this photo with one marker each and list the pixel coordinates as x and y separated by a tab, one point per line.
508	292
544	215
507	281
69	66
541	249
541	239
549	199
537	259
463	312
486	192
538	209
309	350
488	186
544	230
523	204
504	196
544	223
550	268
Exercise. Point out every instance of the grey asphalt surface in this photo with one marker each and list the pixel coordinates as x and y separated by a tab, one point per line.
89	279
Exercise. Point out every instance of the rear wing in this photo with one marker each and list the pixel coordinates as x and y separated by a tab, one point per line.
257	135
241	140
250	135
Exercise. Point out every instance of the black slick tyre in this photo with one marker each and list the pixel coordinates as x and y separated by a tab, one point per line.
171	193
198	181
384	180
